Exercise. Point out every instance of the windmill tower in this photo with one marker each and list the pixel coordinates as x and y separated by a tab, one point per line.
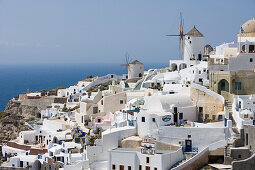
191	45
194	46
135	68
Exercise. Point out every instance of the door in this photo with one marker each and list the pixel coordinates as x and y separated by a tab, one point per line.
148	168
188	145
21	164
121	167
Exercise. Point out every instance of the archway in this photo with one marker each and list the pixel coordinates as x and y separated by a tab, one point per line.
174	67
37	165
182	66
223	85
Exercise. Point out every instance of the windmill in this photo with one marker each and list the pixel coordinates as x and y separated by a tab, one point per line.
180	35
127	61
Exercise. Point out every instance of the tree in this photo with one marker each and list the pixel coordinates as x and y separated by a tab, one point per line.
64	108
58	88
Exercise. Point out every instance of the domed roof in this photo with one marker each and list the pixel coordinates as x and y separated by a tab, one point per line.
249	26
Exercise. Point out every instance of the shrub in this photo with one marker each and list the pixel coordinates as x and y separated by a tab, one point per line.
64	108
16	123
26	142
149	94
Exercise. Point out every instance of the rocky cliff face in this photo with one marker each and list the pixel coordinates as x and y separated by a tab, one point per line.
10	127
18	108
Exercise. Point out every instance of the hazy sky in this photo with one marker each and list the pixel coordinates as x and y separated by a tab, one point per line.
89	31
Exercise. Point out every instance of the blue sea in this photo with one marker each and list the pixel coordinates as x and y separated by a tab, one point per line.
16	79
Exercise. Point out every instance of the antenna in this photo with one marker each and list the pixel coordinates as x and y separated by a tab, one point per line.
180	35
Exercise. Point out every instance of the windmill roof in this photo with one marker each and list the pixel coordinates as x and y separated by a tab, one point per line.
135	62
194	33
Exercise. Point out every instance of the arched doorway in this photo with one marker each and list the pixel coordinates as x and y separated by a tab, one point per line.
174	67
223	85
182	66
37	165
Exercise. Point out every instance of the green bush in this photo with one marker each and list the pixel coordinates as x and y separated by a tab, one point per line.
16	123
26	142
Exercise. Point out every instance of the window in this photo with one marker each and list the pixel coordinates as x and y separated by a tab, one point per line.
121	167
251	59
220	117
180	116
143	119
238	85
147	160
239	156
155	168
190	42
246	139
113	167
140	167
200	109
188	37
200	80
153	120
121	101
102	102
129	167
243	48
206	116
213	117
189	136
199	72
99	120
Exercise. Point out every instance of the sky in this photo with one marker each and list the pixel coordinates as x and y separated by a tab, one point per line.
103	31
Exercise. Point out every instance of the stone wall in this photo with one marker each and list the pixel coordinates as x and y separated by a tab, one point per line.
246	164
210	105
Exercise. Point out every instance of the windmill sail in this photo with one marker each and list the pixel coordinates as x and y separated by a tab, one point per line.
180	35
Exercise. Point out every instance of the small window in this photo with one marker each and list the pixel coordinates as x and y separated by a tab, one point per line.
121	101
189	136
99	120
143	119
129	167
140	167
206	116
155	168
180	116
220	117
200	109
200	80
188	37
190	42
153	119
213	117
246	139
113	167
199	72
102	102
238	85
147	160
251	59
239	156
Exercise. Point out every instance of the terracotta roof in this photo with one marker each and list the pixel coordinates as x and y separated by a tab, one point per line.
194	33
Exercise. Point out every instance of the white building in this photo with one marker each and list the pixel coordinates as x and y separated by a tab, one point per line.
148	157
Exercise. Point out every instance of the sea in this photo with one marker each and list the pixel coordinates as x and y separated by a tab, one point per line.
16	79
